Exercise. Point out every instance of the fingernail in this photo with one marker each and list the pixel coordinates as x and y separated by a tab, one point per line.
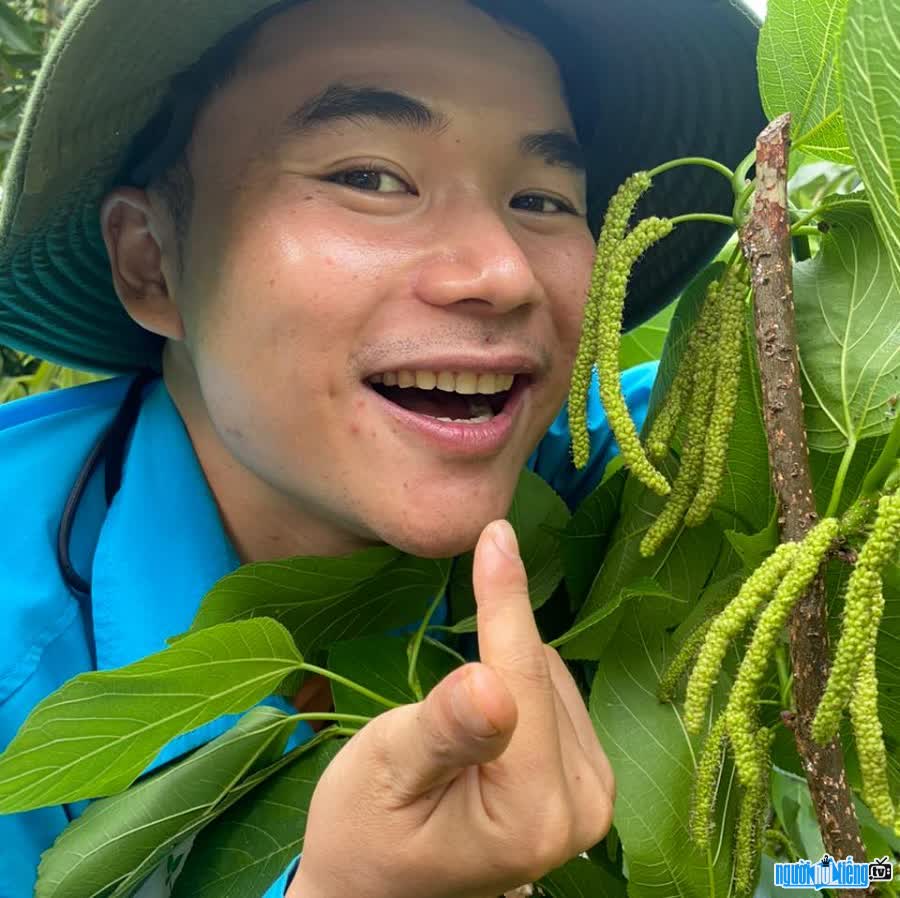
465	707
505	539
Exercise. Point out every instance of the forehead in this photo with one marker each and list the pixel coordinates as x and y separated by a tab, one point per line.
448	53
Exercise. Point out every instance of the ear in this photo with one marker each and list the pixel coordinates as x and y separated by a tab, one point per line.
133	229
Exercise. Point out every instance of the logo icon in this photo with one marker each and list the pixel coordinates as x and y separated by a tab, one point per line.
829	873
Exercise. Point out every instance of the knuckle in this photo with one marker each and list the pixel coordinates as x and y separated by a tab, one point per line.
532	669
552	655
437	732
380	757
594	822
552	840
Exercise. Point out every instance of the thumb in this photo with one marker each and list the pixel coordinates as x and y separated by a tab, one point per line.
468	718
508	636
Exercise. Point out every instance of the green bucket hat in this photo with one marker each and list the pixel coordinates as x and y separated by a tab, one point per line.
659	79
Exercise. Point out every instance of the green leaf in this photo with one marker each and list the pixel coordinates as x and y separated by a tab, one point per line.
654	761
584	543
793	805
381	664
25	62
870	92
798	73
848	331
10	107
879	840
645	343
538	515
581	878
754	548
680	570
824	467
720	591
246	849
818	179
15	33
118	841
322	601
95	735
644	587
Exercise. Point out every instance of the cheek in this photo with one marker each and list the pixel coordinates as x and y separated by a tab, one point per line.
294	285
566	274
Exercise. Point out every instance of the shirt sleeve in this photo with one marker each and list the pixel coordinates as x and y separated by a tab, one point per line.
552	460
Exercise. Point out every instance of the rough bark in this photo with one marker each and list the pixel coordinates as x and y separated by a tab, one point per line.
766	243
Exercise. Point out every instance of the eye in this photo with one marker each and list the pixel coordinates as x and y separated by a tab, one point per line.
372	180
538	202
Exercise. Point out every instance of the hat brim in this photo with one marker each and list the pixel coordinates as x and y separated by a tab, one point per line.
668	78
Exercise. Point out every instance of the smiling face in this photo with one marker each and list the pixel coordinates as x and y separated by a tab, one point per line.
388	217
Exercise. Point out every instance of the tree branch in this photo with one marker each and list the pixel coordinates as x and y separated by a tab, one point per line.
766	243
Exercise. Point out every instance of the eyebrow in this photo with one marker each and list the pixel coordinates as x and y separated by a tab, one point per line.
356	103
555	148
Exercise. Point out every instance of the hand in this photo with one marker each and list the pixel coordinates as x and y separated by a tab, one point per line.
493	780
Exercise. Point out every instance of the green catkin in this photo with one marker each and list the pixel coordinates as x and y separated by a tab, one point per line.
668	682
706	784
685	487
740	714
729	362
664	425
618	214
663	429
609	332
726	626
863	608
867	732
751	822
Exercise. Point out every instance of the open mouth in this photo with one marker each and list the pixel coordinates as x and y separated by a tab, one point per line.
460	397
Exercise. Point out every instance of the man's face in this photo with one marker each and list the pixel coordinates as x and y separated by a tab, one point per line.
382	189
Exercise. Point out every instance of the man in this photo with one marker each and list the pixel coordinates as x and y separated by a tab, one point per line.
355	238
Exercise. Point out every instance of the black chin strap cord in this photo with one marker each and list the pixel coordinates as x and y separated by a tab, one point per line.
111	449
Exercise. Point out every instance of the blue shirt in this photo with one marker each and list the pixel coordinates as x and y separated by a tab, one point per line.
151	556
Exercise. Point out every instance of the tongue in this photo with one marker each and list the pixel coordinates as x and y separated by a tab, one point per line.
436	403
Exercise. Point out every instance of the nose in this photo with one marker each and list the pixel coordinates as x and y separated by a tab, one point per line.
475	259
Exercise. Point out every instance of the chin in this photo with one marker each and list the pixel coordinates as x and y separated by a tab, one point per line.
440	537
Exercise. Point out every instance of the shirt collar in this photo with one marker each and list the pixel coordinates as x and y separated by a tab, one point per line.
162	545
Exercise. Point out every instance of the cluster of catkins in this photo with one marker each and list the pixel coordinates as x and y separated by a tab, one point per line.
781	580
705	388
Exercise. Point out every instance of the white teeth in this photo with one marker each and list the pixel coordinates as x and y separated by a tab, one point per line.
487	383
446	381
481	419
466	383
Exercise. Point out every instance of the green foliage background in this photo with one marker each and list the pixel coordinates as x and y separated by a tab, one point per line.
26	27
